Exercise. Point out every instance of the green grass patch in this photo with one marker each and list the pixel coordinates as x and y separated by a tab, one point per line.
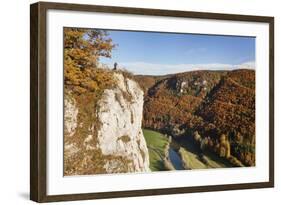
191	160
156	143
190	155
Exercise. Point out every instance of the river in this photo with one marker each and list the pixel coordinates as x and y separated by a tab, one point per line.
175	159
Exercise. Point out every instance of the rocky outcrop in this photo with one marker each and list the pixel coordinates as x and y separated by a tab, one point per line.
120	133
70	115
111	141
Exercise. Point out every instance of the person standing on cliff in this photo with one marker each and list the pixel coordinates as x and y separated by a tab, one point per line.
115	66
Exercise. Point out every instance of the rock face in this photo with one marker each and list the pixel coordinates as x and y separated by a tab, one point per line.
113	142
70	115
120	115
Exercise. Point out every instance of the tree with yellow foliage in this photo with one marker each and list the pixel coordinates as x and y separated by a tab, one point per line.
82	51
224	150
84	47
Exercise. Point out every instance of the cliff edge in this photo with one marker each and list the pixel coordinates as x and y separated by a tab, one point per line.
105	135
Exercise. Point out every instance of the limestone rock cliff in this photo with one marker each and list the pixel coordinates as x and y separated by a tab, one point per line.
110	140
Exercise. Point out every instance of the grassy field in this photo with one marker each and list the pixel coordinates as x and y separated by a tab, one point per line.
156	143
190	155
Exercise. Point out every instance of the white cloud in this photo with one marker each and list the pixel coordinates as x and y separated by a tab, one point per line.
249	65
163	69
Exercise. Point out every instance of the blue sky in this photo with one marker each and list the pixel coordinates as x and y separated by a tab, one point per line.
163	53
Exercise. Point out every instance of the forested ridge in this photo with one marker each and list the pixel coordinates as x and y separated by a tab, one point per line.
216	108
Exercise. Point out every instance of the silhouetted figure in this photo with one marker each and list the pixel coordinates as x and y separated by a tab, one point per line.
115	66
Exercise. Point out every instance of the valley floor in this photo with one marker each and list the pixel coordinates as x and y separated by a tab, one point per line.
156	144
166	154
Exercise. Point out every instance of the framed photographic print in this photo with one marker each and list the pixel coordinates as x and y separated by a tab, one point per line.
134	102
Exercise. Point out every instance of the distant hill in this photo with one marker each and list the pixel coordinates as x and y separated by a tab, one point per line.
211	103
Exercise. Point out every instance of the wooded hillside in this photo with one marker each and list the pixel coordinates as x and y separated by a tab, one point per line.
210	103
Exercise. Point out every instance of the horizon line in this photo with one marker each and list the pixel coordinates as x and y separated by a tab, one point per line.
155	69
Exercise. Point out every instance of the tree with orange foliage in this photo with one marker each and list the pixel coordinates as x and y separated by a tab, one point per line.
84	47
82	50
